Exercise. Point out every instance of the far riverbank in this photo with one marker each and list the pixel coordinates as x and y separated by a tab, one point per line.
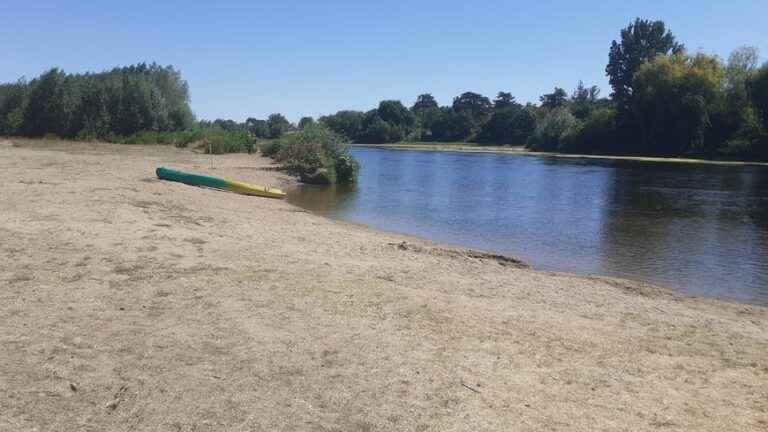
522	151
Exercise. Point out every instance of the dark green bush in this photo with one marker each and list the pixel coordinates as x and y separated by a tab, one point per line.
228	142
313	149
212	140
271	148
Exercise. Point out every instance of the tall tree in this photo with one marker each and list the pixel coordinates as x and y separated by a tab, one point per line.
306	121
674	98
394	113
278	125
346	123
641	41
257	128
473	109
424	102
759	92
584	100
504	100
555	99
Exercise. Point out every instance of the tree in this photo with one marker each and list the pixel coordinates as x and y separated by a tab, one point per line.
473	110
552	131
555	99
641	41
13	104
394	113
278	125
426	111
584	100
758	86
346	123
597	134
450	125
378	131
674	98
306	121
504	100
424	103
257	128
512	126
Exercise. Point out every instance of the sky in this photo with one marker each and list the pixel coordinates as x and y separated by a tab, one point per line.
252	58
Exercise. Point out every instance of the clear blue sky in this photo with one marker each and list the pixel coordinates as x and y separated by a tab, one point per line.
252	58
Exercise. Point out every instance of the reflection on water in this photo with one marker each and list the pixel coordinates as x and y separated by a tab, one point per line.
701	229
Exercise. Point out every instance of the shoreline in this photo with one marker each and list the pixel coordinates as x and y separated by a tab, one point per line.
520	151
126	298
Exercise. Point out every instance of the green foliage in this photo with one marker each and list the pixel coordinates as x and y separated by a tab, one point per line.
553	130
348	124
556	99
227	142
512	125
257	128
596	134
449	125
378	131
306	121
278	125
119	102
178	139
473	109
641	41
14	98
390	122
503	101
758	86
585	100
424	103
673	100
315	148
210	139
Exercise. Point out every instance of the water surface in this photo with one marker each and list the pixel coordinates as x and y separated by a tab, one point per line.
700	229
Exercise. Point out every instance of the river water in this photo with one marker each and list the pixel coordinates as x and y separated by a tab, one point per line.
700	229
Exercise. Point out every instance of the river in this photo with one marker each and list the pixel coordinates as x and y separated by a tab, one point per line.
699	229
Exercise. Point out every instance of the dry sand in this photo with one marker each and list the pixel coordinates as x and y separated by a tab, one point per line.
129	303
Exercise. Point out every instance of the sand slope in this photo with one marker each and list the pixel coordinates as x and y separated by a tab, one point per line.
128	303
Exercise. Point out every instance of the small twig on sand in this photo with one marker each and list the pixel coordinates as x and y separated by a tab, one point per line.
470	388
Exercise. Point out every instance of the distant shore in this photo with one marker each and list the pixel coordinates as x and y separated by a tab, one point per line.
522	151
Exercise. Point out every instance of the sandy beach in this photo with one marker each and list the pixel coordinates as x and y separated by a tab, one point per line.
128	303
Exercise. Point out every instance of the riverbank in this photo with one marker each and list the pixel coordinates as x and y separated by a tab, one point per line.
522	151
137	304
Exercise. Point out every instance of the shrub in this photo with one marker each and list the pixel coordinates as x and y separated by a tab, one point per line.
221	142
271	148
313	150
597	134
557	125
211	140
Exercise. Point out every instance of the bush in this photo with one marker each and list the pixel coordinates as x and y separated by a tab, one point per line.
557	126
596	135
271	148
211	140
227	142
314	150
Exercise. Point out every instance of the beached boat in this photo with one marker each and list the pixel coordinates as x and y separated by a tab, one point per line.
218	183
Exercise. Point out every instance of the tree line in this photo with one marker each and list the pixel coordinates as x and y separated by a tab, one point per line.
119	102
665	101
